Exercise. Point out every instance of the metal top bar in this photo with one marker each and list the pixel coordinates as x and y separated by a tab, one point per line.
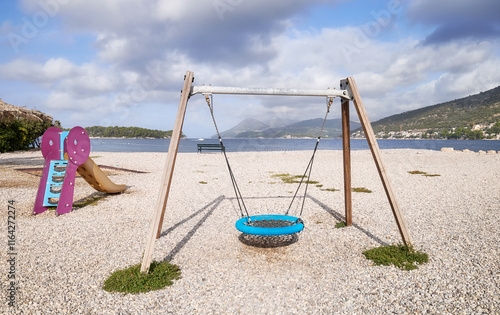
207	89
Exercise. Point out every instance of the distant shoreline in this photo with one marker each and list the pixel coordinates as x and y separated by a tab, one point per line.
252	144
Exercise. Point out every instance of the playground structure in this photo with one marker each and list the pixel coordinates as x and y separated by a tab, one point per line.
65	154
348	92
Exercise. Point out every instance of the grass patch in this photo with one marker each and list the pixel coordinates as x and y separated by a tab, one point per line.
203	182
131	280
423	173
361	189
401	256
417	172
92	200
330	189
319	186
94	156
292	179
281	175
340	225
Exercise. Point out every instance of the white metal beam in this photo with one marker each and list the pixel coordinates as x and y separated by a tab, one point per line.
208	89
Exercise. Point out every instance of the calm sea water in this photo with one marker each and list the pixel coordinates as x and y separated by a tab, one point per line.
242	145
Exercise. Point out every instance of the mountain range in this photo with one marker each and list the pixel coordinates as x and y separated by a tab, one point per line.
252	128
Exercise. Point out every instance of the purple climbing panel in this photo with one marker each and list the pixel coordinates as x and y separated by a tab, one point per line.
77	147
51	146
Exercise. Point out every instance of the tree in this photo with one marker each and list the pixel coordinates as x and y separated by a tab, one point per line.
12	136
495	129
128	132
22	134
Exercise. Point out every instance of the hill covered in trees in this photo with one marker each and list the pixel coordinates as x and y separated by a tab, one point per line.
128	132
479	112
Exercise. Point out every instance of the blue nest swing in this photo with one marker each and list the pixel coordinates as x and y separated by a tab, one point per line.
270	224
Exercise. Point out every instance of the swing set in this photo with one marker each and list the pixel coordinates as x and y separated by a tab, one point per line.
275	224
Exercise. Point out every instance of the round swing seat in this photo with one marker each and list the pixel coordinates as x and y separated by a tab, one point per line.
268	225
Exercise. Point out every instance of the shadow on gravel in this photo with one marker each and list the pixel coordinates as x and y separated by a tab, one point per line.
341	218
212	205
268	241
34	160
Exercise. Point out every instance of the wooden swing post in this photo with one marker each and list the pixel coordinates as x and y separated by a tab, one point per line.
372	143
346	148
161	204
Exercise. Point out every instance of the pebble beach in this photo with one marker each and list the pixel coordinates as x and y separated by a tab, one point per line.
62	261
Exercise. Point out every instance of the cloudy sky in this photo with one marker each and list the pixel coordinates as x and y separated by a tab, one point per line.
122	62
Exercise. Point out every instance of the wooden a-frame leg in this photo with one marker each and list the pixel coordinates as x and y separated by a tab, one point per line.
157	221
372	142
346	148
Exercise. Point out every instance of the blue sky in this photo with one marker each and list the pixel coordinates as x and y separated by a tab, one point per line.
122	62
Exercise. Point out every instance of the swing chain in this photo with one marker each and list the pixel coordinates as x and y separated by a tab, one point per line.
237	192
210	103
329	102
307	172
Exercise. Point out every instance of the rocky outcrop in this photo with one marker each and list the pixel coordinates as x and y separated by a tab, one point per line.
9	113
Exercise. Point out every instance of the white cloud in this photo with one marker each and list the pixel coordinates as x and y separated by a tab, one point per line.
46	74
57	69
97	106
113	48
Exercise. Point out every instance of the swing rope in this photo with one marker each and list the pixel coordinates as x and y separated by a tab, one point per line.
237	192
310	165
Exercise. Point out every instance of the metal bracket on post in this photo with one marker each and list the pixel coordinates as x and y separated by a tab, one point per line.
346	88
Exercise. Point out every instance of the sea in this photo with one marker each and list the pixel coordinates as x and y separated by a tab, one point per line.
245	145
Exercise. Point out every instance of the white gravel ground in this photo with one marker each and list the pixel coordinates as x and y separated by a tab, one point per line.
62	262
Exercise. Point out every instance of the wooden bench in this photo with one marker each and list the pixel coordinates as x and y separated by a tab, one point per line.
210	146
